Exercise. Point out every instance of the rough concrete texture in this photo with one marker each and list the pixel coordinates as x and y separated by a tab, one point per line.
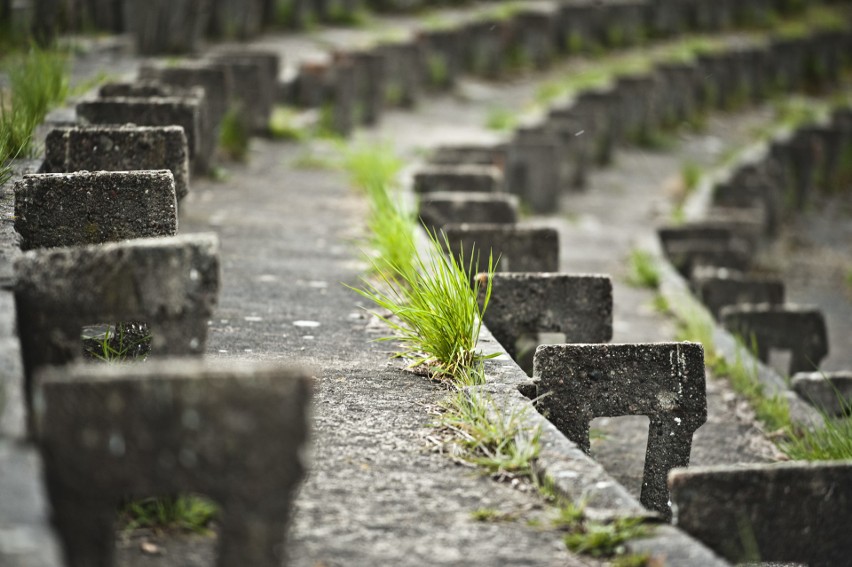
9	237
691	247
163	27
216	80
784	512
578	383
831	392
170	283
514	248
59	209
532	170
233	432
256	73
721	289
462	154
119	148
797	328
185	112
579	306
458	178
440	208
26	539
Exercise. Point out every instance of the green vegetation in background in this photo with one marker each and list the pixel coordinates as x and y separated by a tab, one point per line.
690	174
38	81
643	272
234	135
501	119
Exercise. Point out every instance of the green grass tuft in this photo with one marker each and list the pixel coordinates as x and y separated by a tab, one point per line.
488	437
604	540
643	272
690	174
501	119
188	513
234	135
283	126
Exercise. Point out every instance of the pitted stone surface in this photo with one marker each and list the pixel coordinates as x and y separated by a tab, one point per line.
829	391
518	248
458	178
461	154
119	148
233	432
720	290
783	512
665	381
797	328
580	306
256	74
58	209
185	112
217	81
441	208
170	283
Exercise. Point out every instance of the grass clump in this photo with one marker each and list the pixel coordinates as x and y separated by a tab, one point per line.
437	313
501	119
283	125
486	436
38	81
833	442
234	135
690	174
643	272
122	342
187	513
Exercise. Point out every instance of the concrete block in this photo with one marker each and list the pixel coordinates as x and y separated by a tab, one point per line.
437	209
369	69
831	392
404	73
601	110
166	26
722	289
664	381
514	248
790	513
580	306
576	147
170	283
256	74
119	148
693	246
233	432
470	178
533	170
462	154
187	113
70	209
443	55
235	19
795	328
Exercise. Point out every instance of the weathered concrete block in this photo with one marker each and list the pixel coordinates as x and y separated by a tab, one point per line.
170	427
187	113
437	209
580	306
403	73
693	246
256	73
166	26
479	154
829	391
486	47
799	329
514	248
170	283
70	209
575	146
601	110
369	72
458	178
235	19
534	35
26	536
119	148
442	51
343	101
721	290
790	513
665	381
533	169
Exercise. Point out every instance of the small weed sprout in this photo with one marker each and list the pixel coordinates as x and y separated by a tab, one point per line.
488	437
690	174
234	135
188	513
501	119
643	272
283	125
604	540
122	342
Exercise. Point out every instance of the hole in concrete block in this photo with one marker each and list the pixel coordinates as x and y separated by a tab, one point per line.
525	348
128	341
619	444
780	359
